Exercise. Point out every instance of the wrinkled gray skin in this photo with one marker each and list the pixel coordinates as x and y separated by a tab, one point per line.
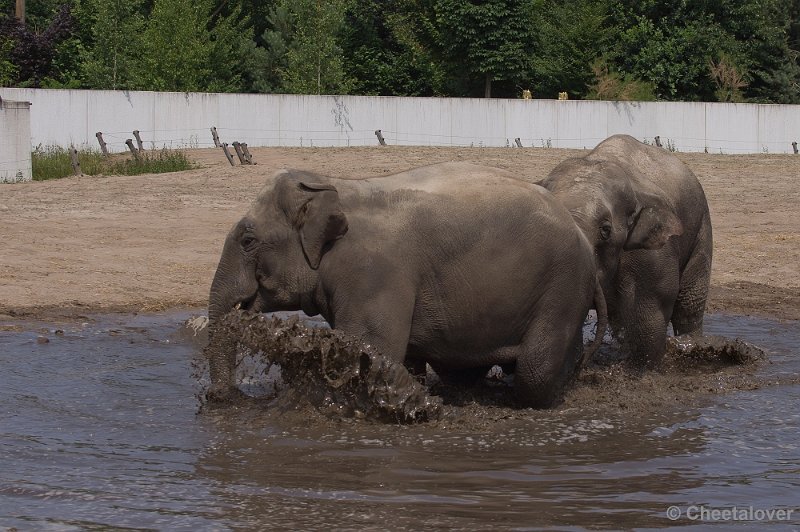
452	264
647	216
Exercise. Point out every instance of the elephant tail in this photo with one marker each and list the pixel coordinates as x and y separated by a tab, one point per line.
602	324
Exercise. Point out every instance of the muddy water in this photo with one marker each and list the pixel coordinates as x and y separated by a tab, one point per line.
99	428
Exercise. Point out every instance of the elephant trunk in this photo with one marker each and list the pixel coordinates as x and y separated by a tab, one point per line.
221	358
228	288
602	324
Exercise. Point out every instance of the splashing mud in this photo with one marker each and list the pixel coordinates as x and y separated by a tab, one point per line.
343	378
333	372
712	350
692	368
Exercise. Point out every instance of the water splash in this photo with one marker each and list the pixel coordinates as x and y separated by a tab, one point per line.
334	372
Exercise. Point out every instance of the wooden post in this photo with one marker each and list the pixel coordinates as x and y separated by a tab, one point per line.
658	141
227	153
518	142
794	147
135	153
215	137
380	137
239	153
103	147
138	140
247	156
76	164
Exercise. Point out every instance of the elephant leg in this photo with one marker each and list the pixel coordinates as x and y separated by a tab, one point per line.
383	322
547	356
415	363
545	363
417	367
690	305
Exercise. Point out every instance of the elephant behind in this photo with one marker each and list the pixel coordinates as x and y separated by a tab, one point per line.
456	265
647	216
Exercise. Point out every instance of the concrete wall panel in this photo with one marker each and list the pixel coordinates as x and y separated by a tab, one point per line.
732	128
15	141
778	127
65	117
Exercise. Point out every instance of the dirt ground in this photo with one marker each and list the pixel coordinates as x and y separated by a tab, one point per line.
146	243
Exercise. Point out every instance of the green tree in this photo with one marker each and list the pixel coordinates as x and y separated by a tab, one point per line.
233	52
8	70
385	52
764	29
257	11
729	80
111	60
268	74
38	14
569	38
610	84
675	44
247	21
193	46
176	47
492	39
314	58
32	54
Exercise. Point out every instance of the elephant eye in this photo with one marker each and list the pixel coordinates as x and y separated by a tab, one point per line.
248	242
605	230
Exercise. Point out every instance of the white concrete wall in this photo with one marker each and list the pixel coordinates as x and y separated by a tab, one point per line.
65	117
15	141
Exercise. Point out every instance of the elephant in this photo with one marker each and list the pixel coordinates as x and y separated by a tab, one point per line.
459	266
647	216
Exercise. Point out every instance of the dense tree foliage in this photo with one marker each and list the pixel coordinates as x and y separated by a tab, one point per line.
727	50
388	48
487	40
31	53
116	34
314	62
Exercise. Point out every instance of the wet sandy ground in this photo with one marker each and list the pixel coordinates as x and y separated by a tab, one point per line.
152	242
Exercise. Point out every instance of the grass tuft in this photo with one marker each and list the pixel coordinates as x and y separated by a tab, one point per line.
158	162
54	162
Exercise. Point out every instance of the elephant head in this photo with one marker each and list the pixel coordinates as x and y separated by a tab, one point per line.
271	256
616	208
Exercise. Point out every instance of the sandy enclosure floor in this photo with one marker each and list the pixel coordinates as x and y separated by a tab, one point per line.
152	242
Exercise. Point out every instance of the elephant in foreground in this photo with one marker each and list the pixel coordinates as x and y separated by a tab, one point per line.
456	265
647	216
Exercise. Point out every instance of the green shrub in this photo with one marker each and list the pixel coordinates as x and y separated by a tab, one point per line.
54	162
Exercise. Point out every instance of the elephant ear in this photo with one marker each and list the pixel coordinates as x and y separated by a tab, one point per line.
321	220
655	224
313	208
